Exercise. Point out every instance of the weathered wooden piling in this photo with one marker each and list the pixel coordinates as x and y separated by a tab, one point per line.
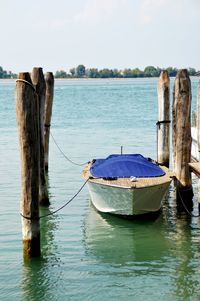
198	118
181	113
40	87
163	124
198	133
27	112
49	78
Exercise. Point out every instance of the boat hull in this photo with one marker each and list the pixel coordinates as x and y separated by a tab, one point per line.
127	201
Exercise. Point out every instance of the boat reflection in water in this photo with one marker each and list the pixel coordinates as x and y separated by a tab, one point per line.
114	240
163	251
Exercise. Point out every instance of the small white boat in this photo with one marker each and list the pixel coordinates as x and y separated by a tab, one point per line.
127	185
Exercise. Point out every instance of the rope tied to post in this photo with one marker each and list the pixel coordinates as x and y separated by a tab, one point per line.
158	123
60	208
78	164
184	205
26	82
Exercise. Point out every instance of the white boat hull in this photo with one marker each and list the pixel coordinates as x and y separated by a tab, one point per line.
127	201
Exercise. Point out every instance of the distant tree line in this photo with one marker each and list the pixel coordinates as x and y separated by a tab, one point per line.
6	74
82	72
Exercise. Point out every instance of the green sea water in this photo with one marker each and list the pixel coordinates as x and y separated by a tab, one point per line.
88	256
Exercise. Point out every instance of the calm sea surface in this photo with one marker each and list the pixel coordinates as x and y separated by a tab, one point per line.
86	255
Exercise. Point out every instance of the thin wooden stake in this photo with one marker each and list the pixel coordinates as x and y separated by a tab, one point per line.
40	86
182	137
49	78
27	112
163	124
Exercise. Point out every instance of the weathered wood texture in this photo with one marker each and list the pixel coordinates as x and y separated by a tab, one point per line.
194	119
28	127
198	134
40	86
49	78
198	117
195	168
182	135
163	124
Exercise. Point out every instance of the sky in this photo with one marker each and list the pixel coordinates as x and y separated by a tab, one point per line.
61	34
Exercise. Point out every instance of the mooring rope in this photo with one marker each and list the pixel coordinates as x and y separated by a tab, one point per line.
185	207
158	123
60	208
26	82
78	164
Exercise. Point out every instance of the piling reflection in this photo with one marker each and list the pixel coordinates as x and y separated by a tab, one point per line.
186	251
38	273
184	232
186	284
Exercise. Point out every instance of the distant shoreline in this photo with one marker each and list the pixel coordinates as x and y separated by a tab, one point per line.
92	79
81	72
98	79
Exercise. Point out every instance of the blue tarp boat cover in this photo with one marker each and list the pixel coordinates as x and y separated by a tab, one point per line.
125	166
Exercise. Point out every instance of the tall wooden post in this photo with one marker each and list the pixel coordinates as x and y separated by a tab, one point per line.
198	118
198	133
163	124
182	137
40	86
48	112
27	112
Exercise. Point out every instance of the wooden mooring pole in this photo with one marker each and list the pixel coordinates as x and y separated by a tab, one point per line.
27	112
49	78
198	118
181	112
40	87
163	124
198	134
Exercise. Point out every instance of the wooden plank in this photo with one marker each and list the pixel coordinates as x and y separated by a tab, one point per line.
195	168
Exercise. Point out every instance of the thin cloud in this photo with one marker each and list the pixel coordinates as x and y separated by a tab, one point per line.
152	9
95	11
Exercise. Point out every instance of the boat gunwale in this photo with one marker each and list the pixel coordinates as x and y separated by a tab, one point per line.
126	183
128	187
